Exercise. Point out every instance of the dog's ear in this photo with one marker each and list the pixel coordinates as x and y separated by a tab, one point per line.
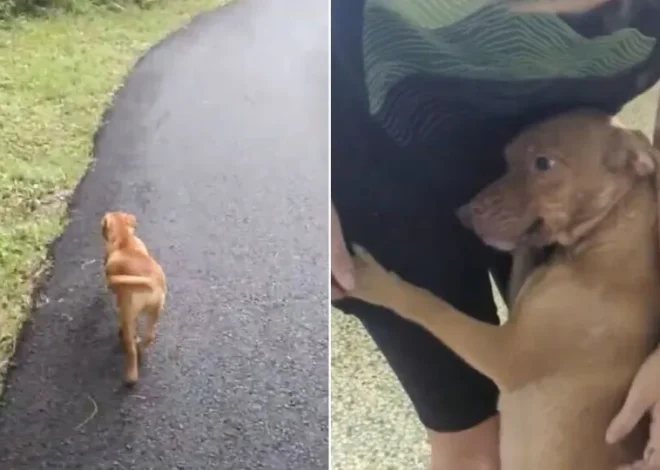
631	150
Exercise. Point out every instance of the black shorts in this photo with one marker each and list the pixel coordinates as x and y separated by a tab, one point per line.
418	236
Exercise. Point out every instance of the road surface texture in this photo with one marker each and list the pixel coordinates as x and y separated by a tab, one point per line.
374	426
218	143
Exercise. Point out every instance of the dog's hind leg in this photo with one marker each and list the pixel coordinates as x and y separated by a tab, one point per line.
128	328
153	314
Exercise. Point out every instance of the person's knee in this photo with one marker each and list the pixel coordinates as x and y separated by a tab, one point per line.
476	448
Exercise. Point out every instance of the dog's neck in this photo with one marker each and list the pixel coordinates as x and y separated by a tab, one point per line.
120	238
629	230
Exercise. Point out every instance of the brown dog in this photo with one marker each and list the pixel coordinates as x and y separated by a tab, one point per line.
584	322
137	281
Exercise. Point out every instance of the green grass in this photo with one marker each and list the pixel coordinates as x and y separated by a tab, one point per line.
57	75
12	8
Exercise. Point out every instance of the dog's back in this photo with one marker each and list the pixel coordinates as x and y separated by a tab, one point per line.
135	263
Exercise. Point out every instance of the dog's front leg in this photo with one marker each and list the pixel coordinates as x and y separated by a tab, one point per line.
487	348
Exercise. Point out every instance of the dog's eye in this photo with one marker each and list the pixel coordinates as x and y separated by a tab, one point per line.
543	163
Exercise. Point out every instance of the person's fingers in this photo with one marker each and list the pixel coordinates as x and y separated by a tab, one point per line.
342	268
632	411
336	293
644	393
341	263
639	465
638	402
652	451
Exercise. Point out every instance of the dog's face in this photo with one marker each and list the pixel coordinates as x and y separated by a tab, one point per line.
563	177
116	224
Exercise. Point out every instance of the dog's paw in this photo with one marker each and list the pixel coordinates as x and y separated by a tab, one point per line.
131	378
373	283
149	340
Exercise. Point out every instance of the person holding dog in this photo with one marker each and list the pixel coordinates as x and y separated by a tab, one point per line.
425	94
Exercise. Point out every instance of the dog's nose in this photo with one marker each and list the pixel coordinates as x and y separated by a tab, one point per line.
464	214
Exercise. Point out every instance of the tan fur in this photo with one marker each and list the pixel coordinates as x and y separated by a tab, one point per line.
137	281
583	323
522	266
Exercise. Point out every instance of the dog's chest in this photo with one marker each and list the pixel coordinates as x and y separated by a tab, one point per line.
564	317
573	316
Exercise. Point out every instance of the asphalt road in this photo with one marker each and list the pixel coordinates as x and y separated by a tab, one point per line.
218	143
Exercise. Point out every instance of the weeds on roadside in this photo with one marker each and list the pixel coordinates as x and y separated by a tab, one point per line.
14	8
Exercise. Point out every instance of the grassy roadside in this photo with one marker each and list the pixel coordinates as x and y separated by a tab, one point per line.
57	75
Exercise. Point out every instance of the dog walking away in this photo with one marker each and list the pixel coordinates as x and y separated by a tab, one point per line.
137	282
583	322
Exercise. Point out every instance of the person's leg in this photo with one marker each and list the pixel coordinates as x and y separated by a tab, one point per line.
387	203
476	448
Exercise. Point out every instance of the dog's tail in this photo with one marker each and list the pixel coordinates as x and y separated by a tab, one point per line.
129	280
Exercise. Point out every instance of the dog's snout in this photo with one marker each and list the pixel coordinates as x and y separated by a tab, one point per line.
464	214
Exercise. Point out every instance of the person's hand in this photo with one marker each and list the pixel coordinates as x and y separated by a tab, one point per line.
341	264
643	397
373	283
